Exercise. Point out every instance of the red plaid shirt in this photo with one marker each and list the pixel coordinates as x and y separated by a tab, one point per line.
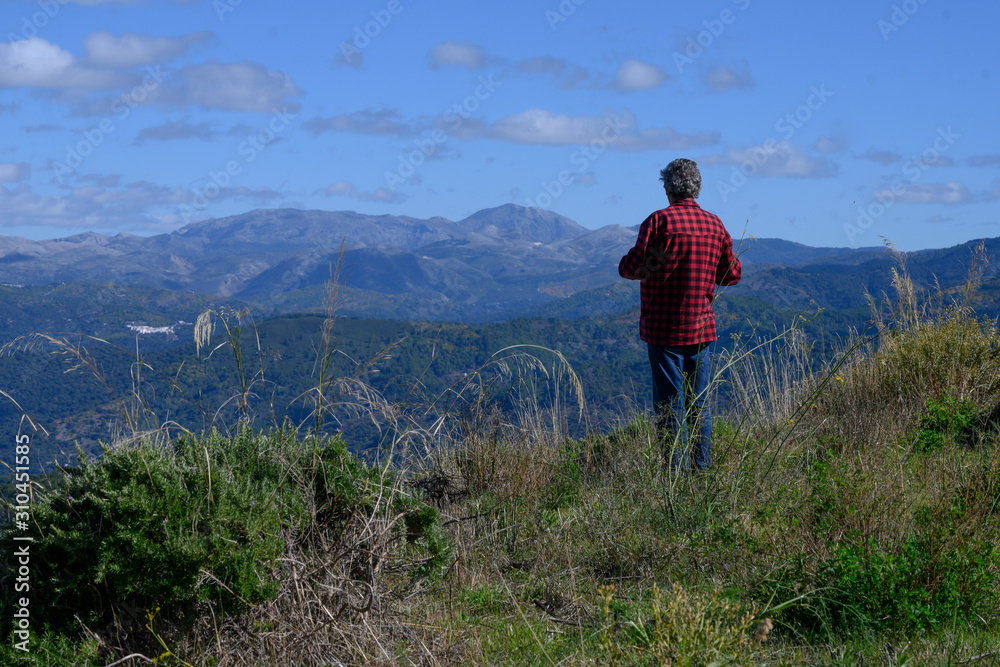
681	254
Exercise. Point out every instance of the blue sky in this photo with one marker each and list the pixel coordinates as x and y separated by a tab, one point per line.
830	124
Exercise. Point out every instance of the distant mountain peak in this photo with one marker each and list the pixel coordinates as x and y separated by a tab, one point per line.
520	223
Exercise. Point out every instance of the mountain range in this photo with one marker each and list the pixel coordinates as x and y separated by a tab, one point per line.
495	264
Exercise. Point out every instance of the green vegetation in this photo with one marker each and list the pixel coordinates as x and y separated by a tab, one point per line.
851	516
146	543
948	421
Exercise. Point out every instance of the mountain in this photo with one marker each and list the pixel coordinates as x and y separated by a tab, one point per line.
495	264
284	230
842	280
516	223
779	251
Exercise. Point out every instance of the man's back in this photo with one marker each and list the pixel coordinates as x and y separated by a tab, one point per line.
682	252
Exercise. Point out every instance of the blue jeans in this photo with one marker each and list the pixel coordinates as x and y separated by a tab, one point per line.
681	375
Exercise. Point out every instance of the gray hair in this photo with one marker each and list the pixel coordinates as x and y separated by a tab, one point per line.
681	178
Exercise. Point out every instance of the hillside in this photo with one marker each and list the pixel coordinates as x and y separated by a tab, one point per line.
848	516
603	350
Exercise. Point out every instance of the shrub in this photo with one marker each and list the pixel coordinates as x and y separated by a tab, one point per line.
195	528
676	627
926	583
423	529
915	588
956	352
913	374
947	421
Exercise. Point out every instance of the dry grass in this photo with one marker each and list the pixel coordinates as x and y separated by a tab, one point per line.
334	605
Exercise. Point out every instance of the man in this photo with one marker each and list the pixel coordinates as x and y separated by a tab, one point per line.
681	254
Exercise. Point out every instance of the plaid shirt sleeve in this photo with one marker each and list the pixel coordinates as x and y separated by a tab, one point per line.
681	253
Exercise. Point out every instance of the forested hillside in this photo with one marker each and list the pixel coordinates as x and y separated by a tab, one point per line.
75	388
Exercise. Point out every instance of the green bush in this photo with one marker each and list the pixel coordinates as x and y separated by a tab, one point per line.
915	588
423	529
946	421
48	649
675	626
955	352
194	526
923	584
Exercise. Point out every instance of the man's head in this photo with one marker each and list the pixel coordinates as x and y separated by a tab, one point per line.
681	179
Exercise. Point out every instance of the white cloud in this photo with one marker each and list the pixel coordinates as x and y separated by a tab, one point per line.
936	161
538	126
380	195
104	203
775	158
720	79
180	129
882	157
637	75
456	54
37	63
133	50
377	122
927	193
826	145
568	75
106	180
355	60
618	131
43	127
542	65
994	194
244	86
12	172
657	139
984	160
93	207
534	126
341	188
